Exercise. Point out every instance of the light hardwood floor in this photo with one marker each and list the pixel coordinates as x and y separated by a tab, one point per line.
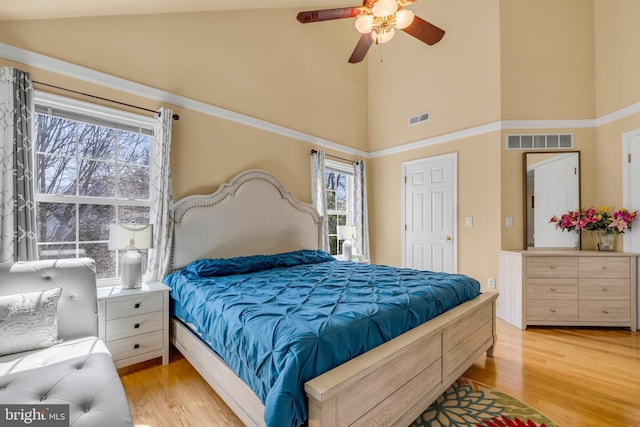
576	377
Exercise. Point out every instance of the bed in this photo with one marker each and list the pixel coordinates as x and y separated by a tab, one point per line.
255	225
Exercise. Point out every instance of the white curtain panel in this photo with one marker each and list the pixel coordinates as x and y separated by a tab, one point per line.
319	194
361	214
161	213
17	205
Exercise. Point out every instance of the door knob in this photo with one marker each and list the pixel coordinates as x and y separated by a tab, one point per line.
446	238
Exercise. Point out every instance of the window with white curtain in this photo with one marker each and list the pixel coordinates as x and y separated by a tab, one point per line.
92	169
340	200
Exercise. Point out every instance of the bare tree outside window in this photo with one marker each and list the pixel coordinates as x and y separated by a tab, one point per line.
89	175
337	206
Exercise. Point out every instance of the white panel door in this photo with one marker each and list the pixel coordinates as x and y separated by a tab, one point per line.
429	211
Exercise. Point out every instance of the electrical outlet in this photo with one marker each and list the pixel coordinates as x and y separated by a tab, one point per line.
491	283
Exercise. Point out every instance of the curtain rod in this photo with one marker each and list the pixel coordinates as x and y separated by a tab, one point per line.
334	157
175	116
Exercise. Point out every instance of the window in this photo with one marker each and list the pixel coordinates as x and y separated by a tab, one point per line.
340	200
92	169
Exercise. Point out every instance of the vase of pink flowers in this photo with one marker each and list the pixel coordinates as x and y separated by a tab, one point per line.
598	220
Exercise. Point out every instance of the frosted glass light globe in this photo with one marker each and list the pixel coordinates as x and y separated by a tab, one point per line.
384	8
364	23
404	18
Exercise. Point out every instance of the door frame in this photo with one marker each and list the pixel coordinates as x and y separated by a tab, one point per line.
626	184
454	208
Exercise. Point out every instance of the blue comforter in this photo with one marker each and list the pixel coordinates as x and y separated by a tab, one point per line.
281	320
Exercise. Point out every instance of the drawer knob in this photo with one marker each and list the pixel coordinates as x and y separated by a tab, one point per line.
605	311
136	305
553	310
553	289
136	326
136	346
553	267
604	289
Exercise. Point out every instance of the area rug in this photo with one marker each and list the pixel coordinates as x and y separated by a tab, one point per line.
470	403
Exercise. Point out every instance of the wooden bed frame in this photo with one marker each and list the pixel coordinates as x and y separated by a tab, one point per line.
391	384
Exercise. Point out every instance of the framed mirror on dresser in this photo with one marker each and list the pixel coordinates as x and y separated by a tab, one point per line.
551	187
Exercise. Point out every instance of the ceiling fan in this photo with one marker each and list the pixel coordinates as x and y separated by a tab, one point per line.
377	20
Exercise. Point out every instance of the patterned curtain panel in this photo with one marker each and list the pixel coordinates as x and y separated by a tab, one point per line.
17	206
319	194
361	214
161	198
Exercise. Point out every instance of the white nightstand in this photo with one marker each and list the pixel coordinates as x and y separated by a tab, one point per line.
135	322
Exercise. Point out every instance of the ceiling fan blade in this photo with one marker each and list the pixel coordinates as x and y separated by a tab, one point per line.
328	14
361	48
424	31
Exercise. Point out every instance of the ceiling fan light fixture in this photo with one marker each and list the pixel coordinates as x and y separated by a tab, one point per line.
364	23
404	18
383	8
383	35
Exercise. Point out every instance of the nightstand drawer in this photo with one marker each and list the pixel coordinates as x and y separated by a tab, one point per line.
134	325
565	267
605	267
132	346
134	305
609	289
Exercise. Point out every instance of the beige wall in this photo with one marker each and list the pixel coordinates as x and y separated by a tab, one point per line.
263	64
616	47
547	59
478	197
456	80
499	60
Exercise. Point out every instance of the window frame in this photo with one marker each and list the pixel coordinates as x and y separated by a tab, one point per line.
102	116
346	169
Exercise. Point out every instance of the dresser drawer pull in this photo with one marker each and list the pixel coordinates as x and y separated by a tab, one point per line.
137	305
136	346
136	326
604	289
553	310
553	289
553	267
605	311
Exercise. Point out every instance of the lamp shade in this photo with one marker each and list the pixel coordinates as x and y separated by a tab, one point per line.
346	232
130	236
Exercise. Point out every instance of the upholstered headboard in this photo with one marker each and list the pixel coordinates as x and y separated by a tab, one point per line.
252	214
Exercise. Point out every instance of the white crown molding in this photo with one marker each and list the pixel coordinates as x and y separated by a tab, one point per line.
440	139
48	63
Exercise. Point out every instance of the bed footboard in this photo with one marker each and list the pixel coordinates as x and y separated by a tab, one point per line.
396	381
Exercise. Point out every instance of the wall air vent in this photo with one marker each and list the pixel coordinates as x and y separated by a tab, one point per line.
551	141
414	120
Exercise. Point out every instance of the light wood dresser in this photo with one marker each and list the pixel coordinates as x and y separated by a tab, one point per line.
567	288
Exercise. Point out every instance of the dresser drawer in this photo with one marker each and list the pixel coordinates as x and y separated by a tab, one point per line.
544	266
605	289
605	267
552	310
547	288
605	311
134	305
134	325
132	346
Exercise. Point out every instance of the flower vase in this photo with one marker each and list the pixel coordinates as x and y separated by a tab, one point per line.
605	241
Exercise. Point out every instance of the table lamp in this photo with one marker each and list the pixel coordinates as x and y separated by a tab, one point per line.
346	233
132	238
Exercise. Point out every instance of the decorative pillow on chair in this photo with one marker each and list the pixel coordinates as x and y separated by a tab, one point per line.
29	321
